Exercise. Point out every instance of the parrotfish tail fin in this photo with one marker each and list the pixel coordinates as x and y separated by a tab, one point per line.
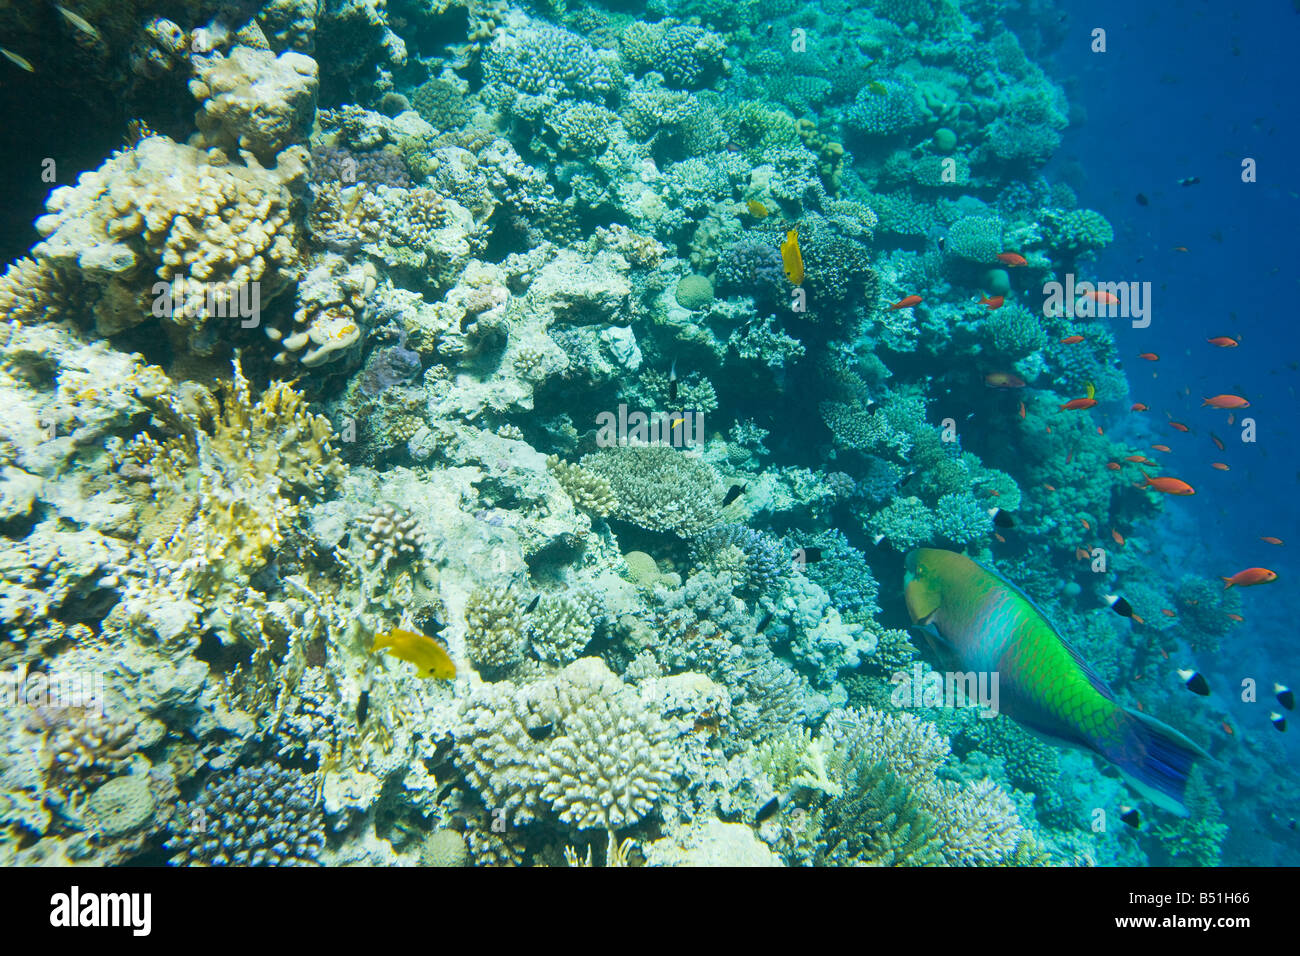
1156	759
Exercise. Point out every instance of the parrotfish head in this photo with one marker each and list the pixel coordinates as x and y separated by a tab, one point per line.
923	584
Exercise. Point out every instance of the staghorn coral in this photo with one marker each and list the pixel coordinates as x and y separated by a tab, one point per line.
256	816
604	762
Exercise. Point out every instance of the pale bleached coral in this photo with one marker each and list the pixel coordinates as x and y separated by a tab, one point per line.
579	747
212	231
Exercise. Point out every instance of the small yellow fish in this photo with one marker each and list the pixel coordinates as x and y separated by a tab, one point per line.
756	209
875	86
78	21
792	257
1091	390
17	60
429	657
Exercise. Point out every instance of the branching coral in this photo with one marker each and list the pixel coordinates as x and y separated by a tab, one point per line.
580	747
258	816
660	488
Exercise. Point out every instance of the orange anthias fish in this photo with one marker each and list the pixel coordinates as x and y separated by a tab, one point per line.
1219	465
1180	426
1053	488
1167	613
1218	442
1270	539
1226	401
1164	448
1249	578
1138	407
1139	459
1118	538
992	303
1232	418
1223	342
1149	356
1075	404
792	257
1022	409
1084	522
1072	340
1235	617
1113	465
906	303
1080	554
429	657
1101	296
1003	380
1012	259
1169	486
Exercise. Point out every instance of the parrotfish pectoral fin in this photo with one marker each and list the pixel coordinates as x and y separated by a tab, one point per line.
1156	761
932	636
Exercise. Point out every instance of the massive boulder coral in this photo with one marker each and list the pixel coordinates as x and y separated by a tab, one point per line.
214	233
253	100
580	747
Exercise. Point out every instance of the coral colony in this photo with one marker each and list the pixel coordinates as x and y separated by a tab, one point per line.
482	434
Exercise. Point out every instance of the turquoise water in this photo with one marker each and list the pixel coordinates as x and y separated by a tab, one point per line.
456	433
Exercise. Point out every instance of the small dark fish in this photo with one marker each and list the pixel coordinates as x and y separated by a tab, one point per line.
532	605
1195	682
871	407
1189	181
1130	816
1284	696
363	707
807	555
1119	605
1142	200
1278	720
762	625
1291	825
672	382
768	810
770	28
942	243
1001	519
541	731
734	492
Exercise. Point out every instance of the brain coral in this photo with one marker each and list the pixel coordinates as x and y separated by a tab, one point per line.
660	488
580	745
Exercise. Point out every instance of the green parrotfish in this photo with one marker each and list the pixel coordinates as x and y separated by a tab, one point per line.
1044	685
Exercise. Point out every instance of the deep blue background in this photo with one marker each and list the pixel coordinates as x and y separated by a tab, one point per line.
1191	89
